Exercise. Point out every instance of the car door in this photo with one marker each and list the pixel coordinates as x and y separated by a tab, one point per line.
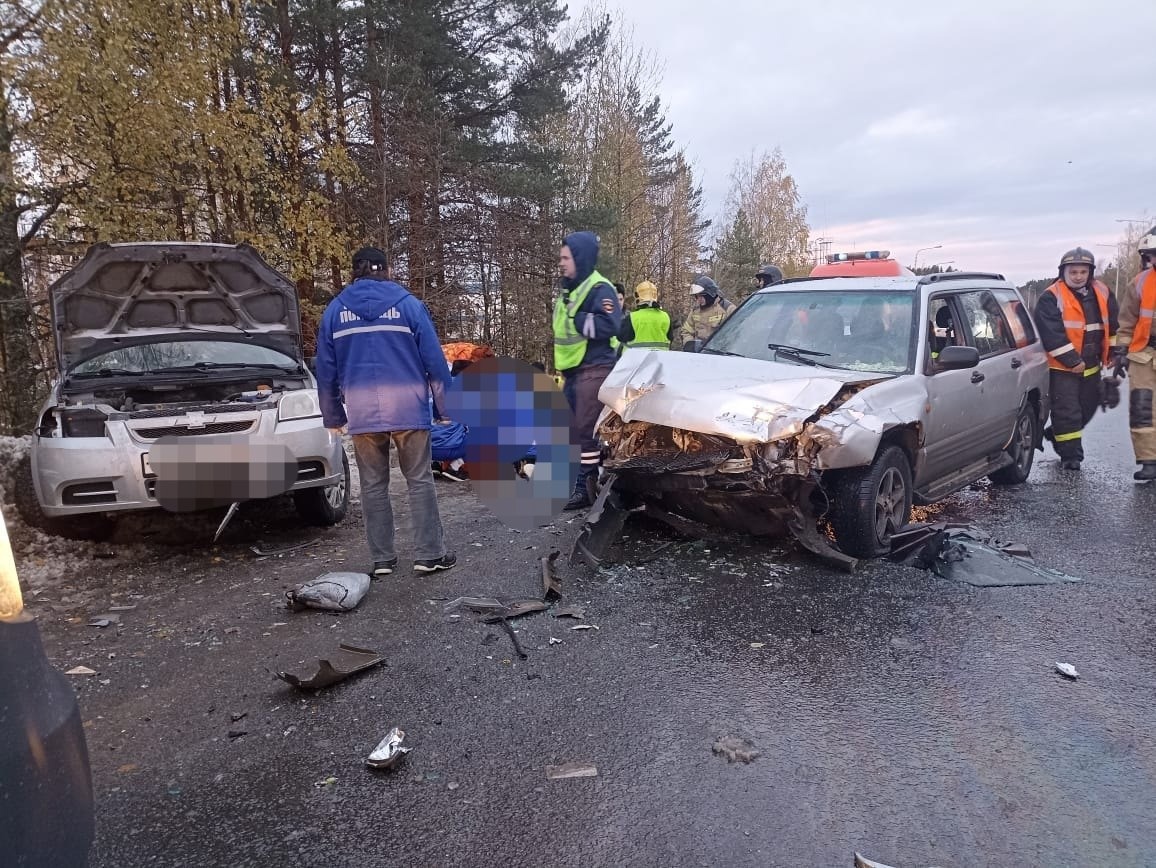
959	426
999	364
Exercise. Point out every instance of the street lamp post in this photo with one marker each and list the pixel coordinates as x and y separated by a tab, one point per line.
915	265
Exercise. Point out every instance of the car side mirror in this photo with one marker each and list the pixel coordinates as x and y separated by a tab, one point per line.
957	358
692	346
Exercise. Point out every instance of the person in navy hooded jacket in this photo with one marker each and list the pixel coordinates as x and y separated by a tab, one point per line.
378	362
587	316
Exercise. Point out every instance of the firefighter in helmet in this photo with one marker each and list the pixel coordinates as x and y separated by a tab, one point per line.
1135	352
1077	317
648	325
768	275
710	310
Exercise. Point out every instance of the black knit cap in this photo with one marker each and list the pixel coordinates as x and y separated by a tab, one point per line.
371	255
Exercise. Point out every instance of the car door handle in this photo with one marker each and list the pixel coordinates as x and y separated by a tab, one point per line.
1016	363
977	377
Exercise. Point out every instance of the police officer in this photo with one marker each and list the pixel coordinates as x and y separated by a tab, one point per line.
710	311
648	325
586	316
1135	352
768	275
1077	317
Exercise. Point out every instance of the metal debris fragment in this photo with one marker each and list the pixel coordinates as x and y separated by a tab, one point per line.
551	584
585	627
233	507
389	751
571	770
336	666
1067	670
578	612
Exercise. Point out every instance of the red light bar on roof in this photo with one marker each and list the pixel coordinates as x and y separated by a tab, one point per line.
862	254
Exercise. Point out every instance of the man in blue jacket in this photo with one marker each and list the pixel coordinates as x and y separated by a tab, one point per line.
586	317
377	351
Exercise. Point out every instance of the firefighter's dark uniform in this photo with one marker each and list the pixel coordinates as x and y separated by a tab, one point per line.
1075	326
586	316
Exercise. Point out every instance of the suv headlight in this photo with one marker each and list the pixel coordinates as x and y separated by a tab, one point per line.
298	405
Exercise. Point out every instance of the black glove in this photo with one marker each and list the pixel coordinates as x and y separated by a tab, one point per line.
1109	394
1119	361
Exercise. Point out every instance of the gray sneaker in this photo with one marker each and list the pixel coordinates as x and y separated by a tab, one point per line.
383	569
446	562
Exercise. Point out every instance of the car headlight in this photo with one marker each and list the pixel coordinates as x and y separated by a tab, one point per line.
299	405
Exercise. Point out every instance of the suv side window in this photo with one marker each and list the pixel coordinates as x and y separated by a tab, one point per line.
985	323
942	328
1016	313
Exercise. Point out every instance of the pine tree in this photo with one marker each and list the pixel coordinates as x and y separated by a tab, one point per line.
736	259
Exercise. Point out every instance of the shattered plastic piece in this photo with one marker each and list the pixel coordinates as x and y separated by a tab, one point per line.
735	749
585	627
601	527
104	621
551	584
389	751
755	645
80	670
480	605
571	770
337	666
264	553
1067	670
578	612
516	609
332	592
554	641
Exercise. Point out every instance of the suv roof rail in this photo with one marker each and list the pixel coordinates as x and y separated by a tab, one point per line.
960	275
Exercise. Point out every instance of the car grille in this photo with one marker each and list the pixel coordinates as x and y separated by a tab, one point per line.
187	431
670	462
210	409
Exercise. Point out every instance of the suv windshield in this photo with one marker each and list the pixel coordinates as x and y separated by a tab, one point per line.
858	331
169	355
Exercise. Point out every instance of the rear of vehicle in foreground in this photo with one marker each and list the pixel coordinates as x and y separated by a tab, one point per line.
175	345
840	400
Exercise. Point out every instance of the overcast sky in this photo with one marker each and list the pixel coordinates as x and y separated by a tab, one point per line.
1006	130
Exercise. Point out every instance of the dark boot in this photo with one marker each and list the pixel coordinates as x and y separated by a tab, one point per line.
583	496
1070	464
1146	472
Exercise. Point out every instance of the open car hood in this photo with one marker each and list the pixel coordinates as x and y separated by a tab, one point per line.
122	295
748	400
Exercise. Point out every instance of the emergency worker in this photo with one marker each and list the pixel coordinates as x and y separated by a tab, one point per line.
1135	352
1077	317
648	325
768	275
710	312
586	316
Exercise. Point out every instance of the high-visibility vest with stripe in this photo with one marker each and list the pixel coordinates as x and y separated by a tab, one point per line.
569	346
651	328
1074	323
1146	289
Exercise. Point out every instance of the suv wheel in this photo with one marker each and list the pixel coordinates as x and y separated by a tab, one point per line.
871	505
95	528
324	507
1022	449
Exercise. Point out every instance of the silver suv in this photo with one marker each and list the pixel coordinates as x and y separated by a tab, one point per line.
177	346
839	399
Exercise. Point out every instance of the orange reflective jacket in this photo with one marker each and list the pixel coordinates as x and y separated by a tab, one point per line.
1074	323
1147	292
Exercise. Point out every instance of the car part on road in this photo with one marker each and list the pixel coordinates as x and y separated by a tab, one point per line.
736	749
578	612
571	770
551	584
1067	670
601	527
389	751
332	592
233	507
266	553
335	667
80	670
966	554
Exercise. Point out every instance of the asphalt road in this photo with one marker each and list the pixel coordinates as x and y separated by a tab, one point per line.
914	719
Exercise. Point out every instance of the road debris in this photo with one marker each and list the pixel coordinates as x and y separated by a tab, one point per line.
389	751
735	749
862	861
265	553
571	770
966	554
332	592
104	620
551	584
554	641
233	507
1067	670
585	627
577	612
235	734
757	645
326	782
513	637
337	666
80	670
